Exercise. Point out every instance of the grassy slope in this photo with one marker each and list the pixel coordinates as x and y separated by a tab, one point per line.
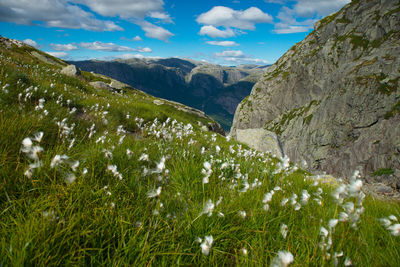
102	219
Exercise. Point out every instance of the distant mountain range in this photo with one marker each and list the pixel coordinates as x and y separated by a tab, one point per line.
214	89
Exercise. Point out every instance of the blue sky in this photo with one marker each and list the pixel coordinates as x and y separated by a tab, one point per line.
227	32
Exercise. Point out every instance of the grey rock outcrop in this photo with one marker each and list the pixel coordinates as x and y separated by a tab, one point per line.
260	139
71	71
333	99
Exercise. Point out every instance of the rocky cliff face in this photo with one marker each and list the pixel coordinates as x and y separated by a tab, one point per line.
333	99
214	89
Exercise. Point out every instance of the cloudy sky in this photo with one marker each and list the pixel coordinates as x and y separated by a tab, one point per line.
228	32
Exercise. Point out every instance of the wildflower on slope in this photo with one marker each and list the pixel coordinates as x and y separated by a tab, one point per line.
160	166
144	157
268	197
26	145
58	159
70	178
207	171
395	229
305	196
208	208
242	214
154	192
355	187
283	259
129	153
284	230
206	245
332	223
38	137
113	169
284	201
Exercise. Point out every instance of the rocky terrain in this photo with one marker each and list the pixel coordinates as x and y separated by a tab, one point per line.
333	99
214	89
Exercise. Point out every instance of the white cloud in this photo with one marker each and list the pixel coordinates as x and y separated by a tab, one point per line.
30	42
304	13
161	15
230	53
276	1
229	18
144	50
52	13
137	38
124	8
238	57
58	54
223	43
154	31
309	8
63	47
292	29
110	47
134	11
215	32
67	14
129	56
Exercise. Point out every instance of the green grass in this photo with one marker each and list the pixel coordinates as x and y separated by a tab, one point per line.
100	219
383	171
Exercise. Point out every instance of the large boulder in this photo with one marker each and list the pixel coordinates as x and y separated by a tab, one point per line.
260	139
333	99
71	70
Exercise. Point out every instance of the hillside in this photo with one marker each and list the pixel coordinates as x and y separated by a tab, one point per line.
333	99
214	89
102	176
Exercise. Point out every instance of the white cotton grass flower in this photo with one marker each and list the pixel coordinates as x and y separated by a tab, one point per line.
57	160
154	192
207	244
208	208
395	229
74	165
284	230
38	137
323	232
27	143
144	157
114	171
284	201
355	187
207	171
242	214
343	217
348	262
160	166
332	223
70	178
244	252
129	153
34	153
305	196
268	197
283	259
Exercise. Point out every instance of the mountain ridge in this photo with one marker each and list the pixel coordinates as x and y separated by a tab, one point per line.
214	89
